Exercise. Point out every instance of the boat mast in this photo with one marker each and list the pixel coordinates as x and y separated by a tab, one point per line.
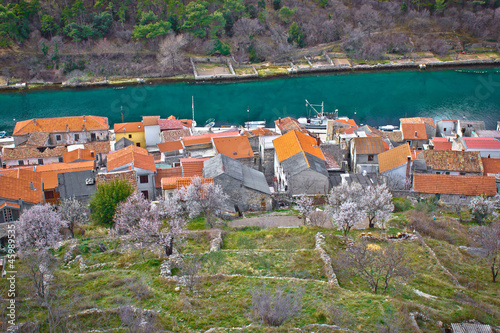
313	107
192	105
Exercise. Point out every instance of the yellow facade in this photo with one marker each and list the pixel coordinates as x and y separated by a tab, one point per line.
131	131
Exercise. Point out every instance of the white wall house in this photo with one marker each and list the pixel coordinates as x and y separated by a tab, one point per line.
151	130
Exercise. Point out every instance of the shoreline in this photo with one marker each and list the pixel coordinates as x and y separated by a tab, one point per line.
191	79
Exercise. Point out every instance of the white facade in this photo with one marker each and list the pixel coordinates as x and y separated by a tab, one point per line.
447	127
395	178
32	161
152	135
491	153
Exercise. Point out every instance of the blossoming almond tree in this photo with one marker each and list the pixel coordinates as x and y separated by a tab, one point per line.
345	206
305	206
481	207
377	203
130	212
74	213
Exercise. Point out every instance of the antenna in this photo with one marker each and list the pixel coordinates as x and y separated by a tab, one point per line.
313	106
192	105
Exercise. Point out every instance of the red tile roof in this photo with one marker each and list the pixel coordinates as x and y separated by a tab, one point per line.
259	132
78	154
481	143
165	173
418	120
491	166
192	166
136	156
369	145
166	147
129	127
448	184
414	131
440	143
393	158
18	153
295	142
234	147
24	185
174	135
206	138
180	182
98	147
169	124
452	160
348	122
150	120
61	124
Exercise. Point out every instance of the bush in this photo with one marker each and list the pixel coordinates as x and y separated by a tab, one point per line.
275	308
447	230
401	204
106	198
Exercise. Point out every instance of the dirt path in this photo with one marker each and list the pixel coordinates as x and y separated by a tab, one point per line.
268	222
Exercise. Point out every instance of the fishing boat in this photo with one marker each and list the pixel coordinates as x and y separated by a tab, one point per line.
250	125
210	123
320	119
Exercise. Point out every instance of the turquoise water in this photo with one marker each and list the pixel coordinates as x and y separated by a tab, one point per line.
375	98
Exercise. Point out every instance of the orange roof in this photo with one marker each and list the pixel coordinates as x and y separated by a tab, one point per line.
295	142
136	156
259	132
289	124
180	182
150	120
170	146
348	122
418	120
98	147
14	188
206	138
78	154
448	184
61	124
129	127
393	158
24	173
49	172
192	166
165	173
234	146
9	204
414	131
440	143
368	145
491	166
186	122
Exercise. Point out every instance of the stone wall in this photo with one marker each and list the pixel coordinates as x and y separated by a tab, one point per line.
130	176
446	198
251	162
245	198
267	164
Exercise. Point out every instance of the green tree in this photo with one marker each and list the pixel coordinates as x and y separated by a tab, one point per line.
286	14
106	198
217	24
295	35
14	22
276	4
101	24
221	48
78	32
49	26
149	27
440	6
197	18
8	29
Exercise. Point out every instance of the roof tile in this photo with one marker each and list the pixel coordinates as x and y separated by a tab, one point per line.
413	131
418	120
481	143
150	120
369	145
234	147
166	147
452	160
61	124
294	142
393	158
459	185
192	166
136	156
129	127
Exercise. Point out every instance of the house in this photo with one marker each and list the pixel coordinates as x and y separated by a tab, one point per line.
132	131
447	128
255	134
299	165
79	155
486	134
175	172
137	159
364	153
63	130
487	147
430	126
129	176
32	155
171	184
395	166
266	156
446	186
439	143
335	157
80	185
171	150
20	189
122	143
285	125
174	135
469	127
237	147
452	162
247	188
151	130
201	145
192	166
169	124
414	134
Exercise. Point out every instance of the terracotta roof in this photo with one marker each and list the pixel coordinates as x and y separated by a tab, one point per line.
396	136
129	127
348	122
19	153
99	147
61	124
78	154
186	122
414	131
452	160
481	143
491	166
9	204
170	146
234	147
294	142
169	124
180	182
259	132
448	184
192	166
440	143
174	135
331	163
24	173
15	188
150	120
37	139
207	138
165	173
369	145
418	120
136	156
290	124
393	158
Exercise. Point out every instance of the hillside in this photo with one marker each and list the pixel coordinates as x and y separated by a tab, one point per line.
57	40
98	279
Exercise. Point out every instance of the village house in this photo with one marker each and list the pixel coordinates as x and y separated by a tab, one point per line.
487	147
122	143
439	143
364	179
32	155
299	165
62	130
246	187
79	185
364	153
79	155
20	189
285	125
137	159
201	145
447	128
151	131
469	127
266	157
171	184
171	151
165	172
237	147
254	136
451	162
395	166
414	134
430	126
192	167
131	131
491	168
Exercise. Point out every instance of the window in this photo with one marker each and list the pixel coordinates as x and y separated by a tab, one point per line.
130	136
7	215
370	157
60	159
138	144
20	162
40	161
447	173
438	173
145	194
92	137
144	179
444	129
58	137
77	137
49	195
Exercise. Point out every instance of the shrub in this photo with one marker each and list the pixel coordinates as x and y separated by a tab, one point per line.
275	308
401	204
106	198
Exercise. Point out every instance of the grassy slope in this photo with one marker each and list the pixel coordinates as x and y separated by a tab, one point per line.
224	301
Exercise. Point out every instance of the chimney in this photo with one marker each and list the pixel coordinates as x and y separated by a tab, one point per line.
431	146
67	128
32	186
415	133
34	122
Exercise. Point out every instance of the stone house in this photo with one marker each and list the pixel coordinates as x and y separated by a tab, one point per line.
415	135
469	127
32	155
201	145
266	157
487	147
395	166
63	130
80	185
131	131
151	131
299	165
237	147
137	159
430	126
246	187
450	186
452	162
364	153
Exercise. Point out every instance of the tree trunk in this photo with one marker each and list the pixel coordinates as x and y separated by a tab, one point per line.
169	247
71	231
371	225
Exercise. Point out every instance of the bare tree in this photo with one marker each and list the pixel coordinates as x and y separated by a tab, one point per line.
74	213
38	267
376	266
190	270
457	202
489	239
170	50
275	308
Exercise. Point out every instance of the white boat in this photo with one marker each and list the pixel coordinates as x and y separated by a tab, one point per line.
388	128
2	134
320	119
249	125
